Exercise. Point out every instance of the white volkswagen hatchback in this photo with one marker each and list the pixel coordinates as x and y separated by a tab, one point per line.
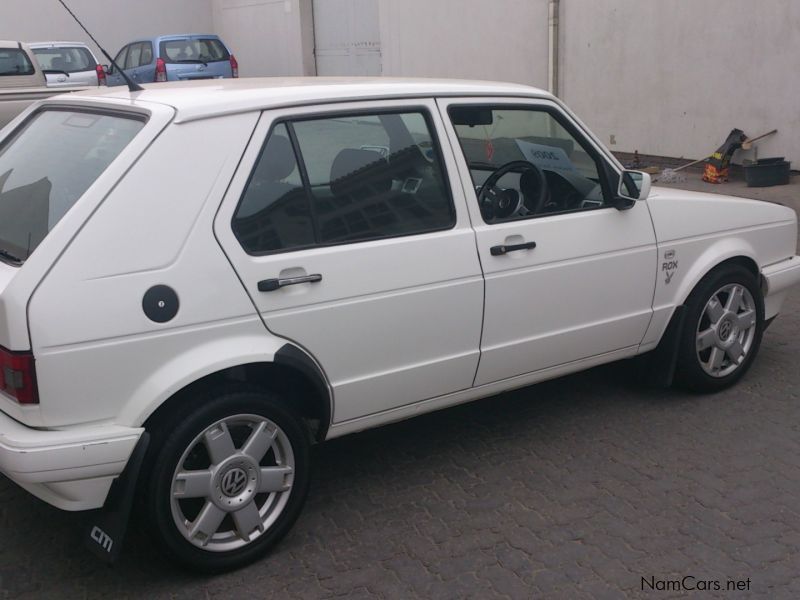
200	280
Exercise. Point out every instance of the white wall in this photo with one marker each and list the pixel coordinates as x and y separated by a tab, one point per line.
672	78
503	40
667	77
268	37
112	22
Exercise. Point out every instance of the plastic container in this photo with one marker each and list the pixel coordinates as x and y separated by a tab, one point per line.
766	172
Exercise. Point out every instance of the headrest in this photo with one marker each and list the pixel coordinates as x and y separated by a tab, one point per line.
277	161
350	161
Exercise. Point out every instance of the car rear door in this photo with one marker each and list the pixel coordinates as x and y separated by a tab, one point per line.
567	281
353	241
113	76
144	69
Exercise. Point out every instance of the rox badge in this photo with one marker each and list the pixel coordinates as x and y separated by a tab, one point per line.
670	266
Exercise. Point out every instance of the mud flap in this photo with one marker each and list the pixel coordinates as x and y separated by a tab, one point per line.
659	365
106	529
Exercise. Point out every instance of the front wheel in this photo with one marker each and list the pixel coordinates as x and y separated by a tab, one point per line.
228	479
723	329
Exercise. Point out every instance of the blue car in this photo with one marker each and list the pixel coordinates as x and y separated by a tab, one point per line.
174	58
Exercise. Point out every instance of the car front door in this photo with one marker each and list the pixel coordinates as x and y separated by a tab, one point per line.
353	241
568	276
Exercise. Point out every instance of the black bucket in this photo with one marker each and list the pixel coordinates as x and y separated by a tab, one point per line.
766	172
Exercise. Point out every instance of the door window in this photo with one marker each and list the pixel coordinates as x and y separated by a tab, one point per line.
359	177
147	54
274	212
534	163
134	54
119	59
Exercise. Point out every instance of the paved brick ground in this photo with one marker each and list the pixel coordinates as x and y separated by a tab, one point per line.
575	488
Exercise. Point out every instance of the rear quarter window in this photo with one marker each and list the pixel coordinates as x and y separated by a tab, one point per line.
15	61
48	165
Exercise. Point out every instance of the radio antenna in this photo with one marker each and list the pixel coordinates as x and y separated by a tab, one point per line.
132	85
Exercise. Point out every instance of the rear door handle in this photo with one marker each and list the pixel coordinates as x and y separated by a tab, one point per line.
501	250
270	285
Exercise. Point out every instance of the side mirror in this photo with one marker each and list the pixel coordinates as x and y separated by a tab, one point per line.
633	186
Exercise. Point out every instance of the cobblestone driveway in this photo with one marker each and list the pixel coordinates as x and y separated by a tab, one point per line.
575	488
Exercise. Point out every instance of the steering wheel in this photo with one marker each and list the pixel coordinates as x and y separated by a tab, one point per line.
497	203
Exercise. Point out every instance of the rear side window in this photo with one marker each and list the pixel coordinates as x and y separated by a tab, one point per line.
14	61
134	56
147	54
357	178
48	165
274	211
70	60
196	50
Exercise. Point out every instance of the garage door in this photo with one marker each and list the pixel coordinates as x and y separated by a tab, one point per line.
347	37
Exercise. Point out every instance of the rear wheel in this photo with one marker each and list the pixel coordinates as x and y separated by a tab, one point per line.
228	480
723	329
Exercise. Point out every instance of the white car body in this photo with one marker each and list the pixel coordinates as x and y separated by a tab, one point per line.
103	368
72	78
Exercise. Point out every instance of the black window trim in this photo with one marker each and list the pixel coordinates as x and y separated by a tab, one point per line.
289	121
605	171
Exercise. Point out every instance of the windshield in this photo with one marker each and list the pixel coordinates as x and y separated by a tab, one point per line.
69	60
194	50
48	165
14	61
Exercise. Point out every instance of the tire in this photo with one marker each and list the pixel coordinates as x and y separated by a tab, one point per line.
226	479
724	318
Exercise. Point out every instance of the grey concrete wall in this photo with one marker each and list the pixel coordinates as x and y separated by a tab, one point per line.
502	40
672	78
269	37
112	22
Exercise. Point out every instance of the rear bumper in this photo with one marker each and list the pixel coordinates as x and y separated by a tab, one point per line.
777	280
70	469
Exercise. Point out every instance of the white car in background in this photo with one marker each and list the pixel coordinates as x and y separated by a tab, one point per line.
200	280
68	64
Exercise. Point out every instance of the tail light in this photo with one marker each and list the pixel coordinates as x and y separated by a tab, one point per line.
101	75
18	376
234	67
161	70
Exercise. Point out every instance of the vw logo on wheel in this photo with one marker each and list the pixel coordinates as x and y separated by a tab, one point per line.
725	330
233	482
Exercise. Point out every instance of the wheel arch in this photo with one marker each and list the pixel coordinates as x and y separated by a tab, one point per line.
663	357
284	369
728	251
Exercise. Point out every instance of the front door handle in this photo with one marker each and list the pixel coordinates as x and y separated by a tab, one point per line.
501	250
270	285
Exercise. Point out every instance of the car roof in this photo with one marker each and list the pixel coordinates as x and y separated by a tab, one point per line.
208	98
12	44
56	44
172	36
